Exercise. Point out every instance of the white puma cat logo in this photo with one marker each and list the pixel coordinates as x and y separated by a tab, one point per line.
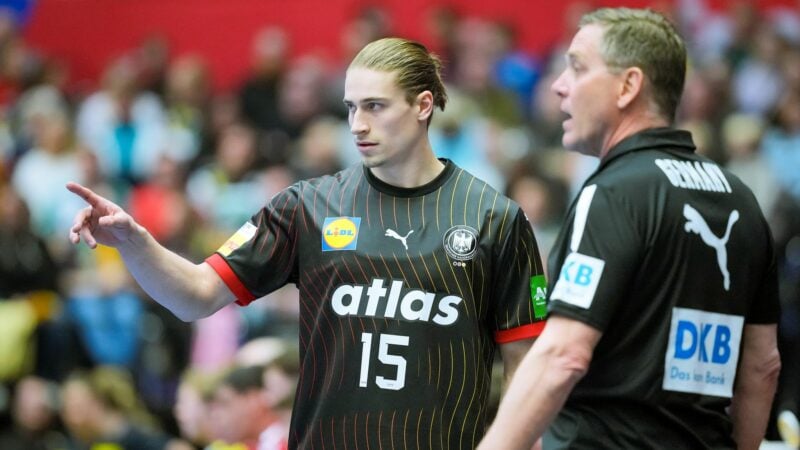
391	233
696	224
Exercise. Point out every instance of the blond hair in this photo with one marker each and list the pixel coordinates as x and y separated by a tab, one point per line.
416	69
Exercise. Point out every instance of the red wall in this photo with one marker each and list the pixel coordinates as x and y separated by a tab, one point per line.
87	34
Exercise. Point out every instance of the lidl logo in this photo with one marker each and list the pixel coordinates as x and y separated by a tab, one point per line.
340	233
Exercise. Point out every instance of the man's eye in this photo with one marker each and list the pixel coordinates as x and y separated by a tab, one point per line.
372	106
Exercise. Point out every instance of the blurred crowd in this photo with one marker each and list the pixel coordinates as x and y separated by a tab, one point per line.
88	360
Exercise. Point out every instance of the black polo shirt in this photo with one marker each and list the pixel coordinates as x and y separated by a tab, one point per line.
669	256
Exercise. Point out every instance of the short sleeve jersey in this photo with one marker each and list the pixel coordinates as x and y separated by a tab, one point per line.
669	256
404	295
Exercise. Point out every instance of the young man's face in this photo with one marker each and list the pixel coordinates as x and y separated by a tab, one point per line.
588	92
386	127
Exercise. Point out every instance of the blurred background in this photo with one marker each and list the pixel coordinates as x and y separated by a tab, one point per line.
191	114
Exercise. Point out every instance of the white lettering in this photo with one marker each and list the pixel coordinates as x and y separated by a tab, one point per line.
394	296
696	175
415	304
709	185
354	292
375	293
715	168
447	306
424	311
666	167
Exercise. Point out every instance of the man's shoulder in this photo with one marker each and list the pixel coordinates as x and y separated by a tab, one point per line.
476	186
343	176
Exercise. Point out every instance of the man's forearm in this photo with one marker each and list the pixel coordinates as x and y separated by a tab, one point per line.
756	381
188	290
544	379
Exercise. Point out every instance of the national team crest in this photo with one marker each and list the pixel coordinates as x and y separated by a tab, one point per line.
461	242
340	233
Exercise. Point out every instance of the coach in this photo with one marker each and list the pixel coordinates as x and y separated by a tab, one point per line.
664	301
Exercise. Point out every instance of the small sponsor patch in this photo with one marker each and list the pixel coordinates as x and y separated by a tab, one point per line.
461	242
578	280
702	352
340	233
242	235
539	296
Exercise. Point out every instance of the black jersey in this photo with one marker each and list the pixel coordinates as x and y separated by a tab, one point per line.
669	256
404	294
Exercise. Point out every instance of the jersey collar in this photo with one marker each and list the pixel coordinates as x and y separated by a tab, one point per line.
650	139
418	191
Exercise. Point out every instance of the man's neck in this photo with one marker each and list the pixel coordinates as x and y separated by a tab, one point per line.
416	169
628	127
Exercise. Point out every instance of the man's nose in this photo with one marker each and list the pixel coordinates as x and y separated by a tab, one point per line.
559	86
357	123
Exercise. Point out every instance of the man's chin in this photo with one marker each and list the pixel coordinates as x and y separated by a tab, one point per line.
578	147
371	162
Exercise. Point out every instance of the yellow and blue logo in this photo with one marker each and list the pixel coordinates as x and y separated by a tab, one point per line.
340	233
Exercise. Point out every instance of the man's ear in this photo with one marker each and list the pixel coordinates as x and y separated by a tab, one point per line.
631	87
424	102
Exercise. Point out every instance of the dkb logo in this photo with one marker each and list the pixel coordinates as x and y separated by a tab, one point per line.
578	280
702	352
692	340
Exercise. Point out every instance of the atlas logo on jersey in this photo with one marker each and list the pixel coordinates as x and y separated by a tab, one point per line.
340	233
461	242
389	299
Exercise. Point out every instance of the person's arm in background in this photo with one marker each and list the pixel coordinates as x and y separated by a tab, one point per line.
557	361
512	354
756	381
190	291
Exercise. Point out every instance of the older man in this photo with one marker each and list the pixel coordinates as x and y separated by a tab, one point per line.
663	314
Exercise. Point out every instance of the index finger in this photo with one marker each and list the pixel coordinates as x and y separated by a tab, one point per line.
85	193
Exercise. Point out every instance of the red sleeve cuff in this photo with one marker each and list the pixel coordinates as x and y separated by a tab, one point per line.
218	263
516	334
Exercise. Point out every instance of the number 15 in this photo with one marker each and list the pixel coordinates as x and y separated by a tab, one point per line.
385	357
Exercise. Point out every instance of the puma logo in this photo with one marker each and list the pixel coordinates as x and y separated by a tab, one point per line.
696	224
391	233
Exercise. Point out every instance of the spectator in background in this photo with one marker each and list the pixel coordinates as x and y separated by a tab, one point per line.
781	143
241	412
51	162
544	200
152	58
187	97
36	336
193	406
26	264
123	125
226	190
478	55
741	142
34	412
317	150
462	134
757	82
301	96
258	95
101	407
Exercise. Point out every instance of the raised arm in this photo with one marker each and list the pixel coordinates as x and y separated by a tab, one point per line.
190	291
756	380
